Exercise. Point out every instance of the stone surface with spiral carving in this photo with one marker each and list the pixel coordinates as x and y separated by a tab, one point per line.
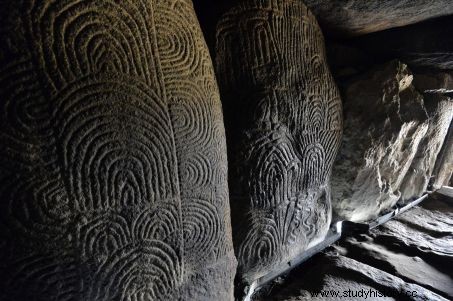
113	170
283	122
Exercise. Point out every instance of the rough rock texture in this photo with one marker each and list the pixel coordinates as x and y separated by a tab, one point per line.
385	121
283	121
424	45
113	159
357	17
343	18
443	170
417	178
409	254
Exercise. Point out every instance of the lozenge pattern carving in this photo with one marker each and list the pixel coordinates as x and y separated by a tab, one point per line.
113	161
284	122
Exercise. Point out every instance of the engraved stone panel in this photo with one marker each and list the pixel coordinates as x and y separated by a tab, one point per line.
113	162
283	121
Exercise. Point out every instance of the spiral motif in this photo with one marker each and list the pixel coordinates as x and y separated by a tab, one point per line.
202	225
261	245
149	271
119	151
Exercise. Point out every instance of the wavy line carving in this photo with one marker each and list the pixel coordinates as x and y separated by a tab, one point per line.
283	121
113	171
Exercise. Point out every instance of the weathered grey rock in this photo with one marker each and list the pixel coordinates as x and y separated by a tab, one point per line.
283	121
443	170
113	170
385	121
440	112
357	17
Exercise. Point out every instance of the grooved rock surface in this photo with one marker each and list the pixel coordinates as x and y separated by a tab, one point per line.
385	122
357	17
283	120
113	168
411	253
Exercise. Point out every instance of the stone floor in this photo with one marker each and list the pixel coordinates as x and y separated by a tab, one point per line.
408	258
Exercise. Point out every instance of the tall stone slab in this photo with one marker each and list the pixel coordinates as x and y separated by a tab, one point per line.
421	173
113	169
385	154
443	169
283	122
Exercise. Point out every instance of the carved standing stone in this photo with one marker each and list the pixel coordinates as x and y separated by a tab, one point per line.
113	161
283	121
